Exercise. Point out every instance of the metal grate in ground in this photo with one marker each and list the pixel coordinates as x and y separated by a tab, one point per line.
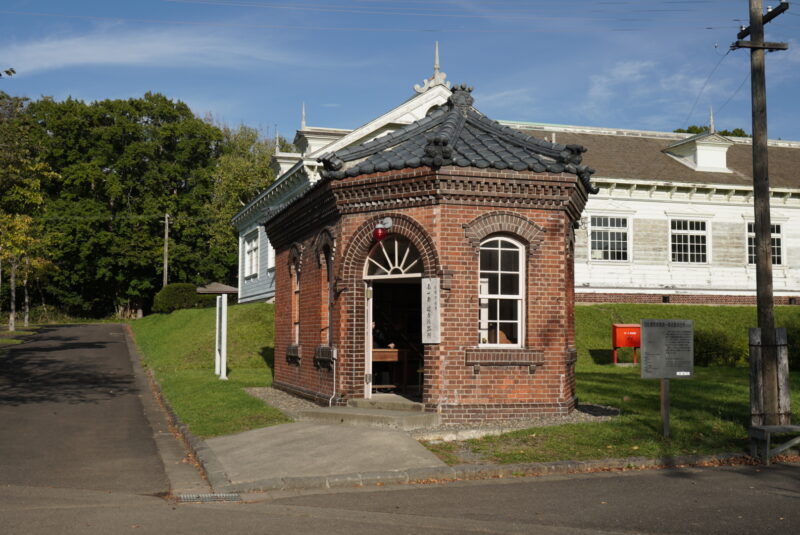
209	497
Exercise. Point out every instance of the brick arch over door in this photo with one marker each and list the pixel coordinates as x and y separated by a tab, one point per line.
361	243
504	222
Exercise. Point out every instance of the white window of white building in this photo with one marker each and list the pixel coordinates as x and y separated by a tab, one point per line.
689	241
251	255
776	244
609	238
501	293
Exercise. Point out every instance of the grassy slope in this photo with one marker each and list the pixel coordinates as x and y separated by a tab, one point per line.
709	413
179	347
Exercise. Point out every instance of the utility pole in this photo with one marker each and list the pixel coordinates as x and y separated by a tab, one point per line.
761	198
166	248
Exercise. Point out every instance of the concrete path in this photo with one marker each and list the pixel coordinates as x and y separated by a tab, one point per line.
305	450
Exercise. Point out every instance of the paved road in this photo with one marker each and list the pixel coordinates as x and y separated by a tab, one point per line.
72	416
77	456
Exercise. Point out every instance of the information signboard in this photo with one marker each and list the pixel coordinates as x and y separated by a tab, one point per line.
667	349
430	311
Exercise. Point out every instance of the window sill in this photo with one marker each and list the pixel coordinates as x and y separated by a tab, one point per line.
503	356
249	278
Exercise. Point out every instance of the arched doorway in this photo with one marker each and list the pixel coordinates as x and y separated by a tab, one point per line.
394	351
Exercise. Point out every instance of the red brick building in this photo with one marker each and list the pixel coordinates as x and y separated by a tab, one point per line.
467	302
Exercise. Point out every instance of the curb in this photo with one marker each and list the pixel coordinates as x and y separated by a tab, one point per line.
209	465
467	472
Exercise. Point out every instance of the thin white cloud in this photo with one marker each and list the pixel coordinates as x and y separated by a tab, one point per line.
624	76
504	99
163	48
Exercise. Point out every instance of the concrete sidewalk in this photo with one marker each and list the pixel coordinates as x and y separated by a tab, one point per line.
313	455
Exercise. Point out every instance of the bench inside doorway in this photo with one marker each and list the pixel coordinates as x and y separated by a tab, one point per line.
761	440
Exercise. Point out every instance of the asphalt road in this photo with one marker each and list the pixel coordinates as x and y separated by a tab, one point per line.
72	416
77	456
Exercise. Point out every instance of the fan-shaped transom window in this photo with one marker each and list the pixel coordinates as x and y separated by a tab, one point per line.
394	256
501	292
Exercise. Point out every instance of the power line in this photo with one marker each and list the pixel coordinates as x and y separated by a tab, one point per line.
409	11
370	29
691	111
747	77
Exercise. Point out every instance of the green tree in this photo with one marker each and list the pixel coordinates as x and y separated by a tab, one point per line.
123	164
696	129
21	176
241	172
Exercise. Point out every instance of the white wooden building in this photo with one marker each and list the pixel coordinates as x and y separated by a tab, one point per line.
672	221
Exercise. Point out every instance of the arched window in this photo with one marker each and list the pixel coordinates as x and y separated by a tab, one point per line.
394	256
501	292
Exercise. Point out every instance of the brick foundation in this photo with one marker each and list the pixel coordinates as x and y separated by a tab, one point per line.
682	299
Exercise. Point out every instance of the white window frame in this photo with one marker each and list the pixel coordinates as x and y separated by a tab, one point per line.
627	229
485	297
751	243
251	255
705	233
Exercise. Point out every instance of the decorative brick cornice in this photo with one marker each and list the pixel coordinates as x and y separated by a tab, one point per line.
450	185
504	222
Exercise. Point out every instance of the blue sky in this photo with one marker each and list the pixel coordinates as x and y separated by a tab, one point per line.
643	64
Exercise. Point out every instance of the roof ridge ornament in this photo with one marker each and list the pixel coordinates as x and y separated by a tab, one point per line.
438	78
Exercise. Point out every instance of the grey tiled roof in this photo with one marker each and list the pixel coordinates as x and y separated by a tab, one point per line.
457	134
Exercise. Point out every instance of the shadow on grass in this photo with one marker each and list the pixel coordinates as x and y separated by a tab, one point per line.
268	354
602	356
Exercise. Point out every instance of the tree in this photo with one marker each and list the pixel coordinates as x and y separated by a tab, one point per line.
123	164
21	175
241	172
695	129
8	72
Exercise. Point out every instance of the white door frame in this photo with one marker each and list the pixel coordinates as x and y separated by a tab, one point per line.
368	340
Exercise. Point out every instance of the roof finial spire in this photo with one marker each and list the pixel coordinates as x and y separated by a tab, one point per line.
436	60
438	77
303	116
711	127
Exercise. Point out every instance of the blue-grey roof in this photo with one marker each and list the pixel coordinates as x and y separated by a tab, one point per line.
457	134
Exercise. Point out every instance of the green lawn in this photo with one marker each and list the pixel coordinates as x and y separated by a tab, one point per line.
709	413
179	348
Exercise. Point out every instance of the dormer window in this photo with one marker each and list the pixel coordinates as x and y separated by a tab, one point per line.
706	152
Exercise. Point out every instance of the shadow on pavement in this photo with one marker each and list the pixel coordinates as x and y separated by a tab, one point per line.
29	375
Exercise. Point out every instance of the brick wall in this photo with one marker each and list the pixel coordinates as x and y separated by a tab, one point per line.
685	299
445	215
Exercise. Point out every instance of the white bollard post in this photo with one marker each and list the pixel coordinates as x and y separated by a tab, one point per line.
217	325
223	361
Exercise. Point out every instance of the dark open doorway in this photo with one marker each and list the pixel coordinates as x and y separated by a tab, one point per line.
397	351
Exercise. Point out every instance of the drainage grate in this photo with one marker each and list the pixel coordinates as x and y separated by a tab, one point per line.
207	498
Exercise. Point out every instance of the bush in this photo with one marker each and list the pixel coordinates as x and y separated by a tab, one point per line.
180	295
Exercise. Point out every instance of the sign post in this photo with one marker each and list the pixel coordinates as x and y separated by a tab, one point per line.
667	353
